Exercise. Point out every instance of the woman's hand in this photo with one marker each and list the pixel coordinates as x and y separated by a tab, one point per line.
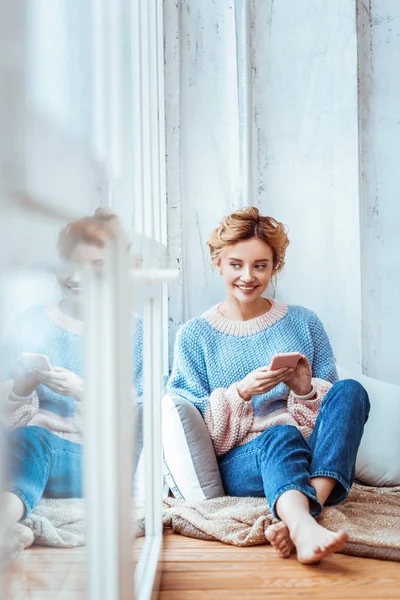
300	379
25	380
61	381
261	381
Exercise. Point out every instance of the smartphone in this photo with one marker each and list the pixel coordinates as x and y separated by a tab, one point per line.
36	361
288	360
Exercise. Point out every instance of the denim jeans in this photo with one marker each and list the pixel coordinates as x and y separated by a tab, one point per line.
41	463
280	459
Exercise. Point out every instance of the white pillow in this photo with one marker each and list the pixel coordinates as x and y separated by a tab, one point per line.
378	459
190	465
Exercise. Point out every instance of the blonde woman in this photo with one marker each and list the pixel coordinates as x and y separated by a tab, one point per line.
43	411
290	435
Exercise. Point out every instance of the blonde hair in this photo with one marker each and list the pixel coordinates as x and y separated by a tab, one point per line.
244	224
96	229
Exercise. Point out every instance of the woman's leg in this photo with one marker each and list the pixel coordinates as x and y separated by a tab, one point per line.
275	465
336	438
39	463
334	444
312	541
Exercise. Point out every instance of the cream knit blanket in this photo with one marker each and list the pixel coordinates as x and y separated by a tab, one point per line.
371	516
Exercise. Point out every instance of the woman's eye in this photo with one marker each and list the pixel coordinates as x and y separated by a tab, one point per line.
259	267
234	265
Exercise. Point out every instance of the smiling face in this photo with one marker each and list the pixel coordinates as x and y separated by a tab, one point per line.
70	280
247	268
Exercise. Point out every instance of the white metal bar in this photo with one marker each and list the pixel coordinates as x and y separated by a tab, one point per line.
152	393
161	121
146	120
137	117
99	138
116	90
247	198
244	97
125	396
108	421
148	570
2	449
13	76
156	466
165	327
162	172
155	117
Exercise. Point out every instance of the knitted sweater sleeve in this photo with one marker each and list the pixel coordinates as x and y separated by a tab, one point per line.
17	411
305	412
227	416
324	374
323	364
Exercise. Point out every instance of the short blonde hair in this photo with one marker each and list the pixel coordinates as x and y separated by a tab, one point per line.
244	224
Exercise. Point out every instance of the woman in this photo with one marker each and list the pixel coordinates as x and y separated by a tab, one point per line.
43	410
290	435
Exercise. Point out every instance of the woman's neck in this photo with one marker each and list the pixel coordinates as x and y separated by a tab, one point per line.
70	310
236	311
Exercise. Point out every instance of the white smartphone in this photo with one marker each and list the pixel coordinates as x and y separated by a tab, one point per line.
287	359
36	361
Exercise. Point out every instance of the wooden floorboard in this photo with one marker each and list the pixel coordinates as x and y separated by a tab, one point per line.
196	570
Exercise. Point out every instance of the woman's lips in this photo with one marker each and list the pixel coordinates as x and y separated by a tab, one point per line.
247	289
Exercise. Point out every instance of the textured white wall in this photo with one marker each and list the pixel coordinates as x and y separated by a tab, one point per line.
324	135
379	41
305	156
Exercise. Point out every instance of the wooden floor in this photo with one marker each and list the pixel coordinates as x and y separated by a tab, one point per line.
194	570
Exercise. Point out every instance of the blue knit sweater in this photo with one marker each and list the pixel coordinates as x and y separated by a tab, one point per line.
46	330
213	353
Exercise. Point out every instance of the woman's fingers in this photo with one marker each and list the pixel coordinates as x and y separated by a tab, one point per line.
273	375
267	383
50	376
268	370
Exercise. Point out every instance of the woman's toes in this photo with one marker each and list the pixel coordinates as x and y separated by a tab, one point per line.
271	533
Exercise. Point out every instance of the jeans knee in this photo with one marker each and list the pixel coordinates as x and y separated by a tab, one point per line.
353	389
280	435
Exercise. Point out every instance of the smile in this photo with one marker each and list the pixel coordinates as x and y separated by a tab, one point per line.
247	288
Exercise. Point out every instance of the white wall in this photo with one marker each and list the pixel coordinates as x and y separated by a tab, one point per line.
324	136
379	40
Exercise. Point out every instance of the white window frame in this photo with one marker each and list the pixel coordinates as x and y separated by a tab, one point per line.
35	188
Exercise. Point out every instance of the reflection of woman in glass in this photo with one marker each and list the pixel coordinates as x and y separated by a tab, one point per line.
289	434
43	410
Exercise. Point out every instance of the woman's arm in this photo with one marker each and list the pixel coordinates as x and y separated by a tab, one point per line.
16	411
323	363
227	416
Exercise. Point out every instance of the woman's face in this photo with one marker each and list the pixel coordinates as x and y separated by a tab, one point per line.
247	268
71	276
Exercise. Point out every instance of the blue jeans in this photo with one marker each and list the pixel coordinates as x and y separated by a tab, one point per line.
280	459
42	464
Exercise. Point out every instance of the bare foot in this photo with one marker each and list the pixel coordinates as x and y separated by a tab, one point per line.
278	536
313	542
16	539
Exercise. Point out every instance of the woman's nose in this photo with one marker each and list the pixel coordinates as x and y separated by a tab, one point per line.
76	277
247	275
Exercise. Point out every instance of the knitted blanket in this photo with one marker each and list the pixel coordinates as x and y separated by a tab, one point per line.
371	516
